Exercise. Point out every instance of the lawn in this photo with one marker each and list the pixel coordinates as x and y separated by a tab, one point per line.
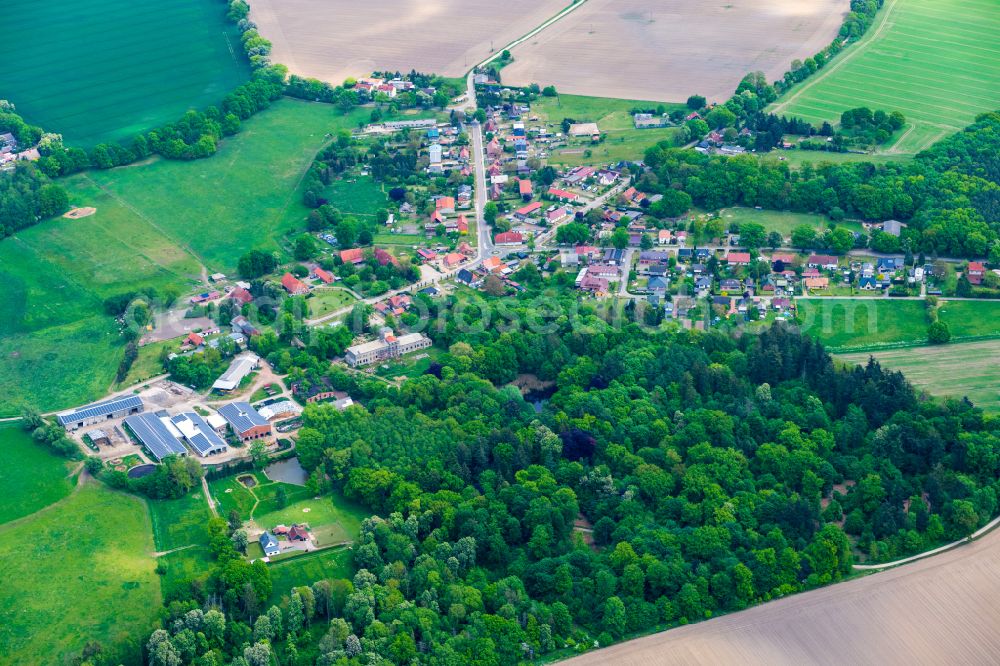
622	141
77	573
957	370
331	519
104	70
230	494
933	60
849	325
156	225
309	568
361	197
32	478
781	221
328	299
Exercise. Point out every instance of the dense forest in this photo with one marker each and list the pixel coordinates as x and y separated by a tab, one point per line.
669	477
949	195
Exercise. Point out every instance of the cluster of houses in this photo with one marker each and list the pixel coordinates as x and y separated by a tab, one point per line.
447	213
296	537
443	152
447	260
9	152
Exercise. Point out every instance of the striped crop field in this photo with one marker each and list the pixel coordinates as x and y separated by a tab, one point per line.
103	70
936	61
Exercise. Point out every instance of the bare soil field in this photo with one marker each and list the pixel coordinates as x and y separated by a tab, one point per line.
334	39
941	610
77	213
655	50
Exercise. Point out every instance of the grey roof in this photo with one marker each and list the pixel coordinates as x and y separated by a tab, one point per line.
242	416
100	409
199	434
155	435
267	541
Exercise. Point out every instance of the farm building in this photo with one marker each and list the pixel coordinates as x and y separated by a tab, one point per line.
245	421
285	408
157	434
387	346
115	408
293	285
241	366
584	129
199	435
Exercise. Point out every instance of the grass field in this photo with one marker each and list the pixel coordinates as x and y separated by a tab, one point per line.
81	571
307	569
971	318
797	158
622	140
331	520
103	70
956	370
361	197
934	60
157	224
180	522
324	301
781	221
31	477
846	324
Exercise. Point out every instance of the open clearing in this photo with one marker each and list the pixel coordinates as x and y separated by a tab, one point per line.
851	324
156	225
941	610
31	477
969	370
333	39
79	572
307	569
648	49
934	60
784	222
103	70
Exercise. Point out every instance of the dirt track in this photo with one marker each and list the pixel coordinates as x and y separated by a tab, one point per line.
333	39
666	51
942	610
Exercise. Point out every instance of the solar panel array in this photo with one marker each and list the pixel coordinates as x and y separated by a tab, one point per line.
100	409
199	434
155	436
242	416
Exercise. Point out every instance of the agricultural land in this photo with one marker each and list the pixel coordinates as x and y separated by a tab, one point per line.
674	50
335	40
32	478
109	69
933	60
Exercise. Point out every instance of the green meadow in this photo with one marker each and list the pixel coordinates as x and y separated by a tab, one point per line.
159	223
105	70
933	60
784	222
31	477
849	324
78	572
307	569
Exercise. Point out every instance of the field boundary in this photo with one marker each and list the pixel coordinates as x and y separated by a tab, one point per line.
910	344
930	553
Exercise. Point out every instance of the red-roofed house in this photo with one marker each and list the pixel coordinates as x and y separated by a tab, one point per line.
383	257
293	285
427	255
827	261
525	189
453	259
508	238
324	275
437	217
194	340
664	236
463	224
562	195
466	249
241	295
738	258
526	211
975	272
445	205
493	264
355	256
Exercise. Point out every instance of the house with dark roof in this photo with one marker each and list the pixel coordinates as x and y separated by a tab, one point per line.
298	533
269	544
246	422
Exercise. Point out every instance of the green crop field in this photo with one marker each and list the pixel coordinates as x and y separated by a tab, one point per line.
307	569
956	370
933	60
31	477
104	70
858	323
78	572
157	224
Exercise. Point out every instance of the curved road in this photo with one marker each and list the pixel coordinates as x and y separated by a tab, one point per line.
939	610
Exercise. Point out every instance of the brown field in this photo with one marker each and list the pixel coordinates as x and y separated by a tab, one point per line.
77	213
941	610
333	39
666	51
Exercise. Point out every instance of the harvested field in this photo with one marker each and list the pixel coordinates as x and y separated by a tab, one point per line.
941	610
969	370
673	49
77	213
335	39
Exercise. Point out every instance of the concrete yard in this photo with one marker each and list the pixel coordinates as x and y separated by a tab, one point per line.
667	51
334	39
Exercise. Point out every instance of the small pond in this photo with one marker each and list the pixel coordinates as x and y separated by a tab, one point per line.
287	471
140	471
247	480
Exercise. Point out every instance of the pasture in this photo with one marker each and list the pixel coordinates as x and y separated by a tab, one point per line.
969	370
31	477
784	222
673	49
158	224
307	569
855	324
971	319
933	60
79	572
103	70
337	39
